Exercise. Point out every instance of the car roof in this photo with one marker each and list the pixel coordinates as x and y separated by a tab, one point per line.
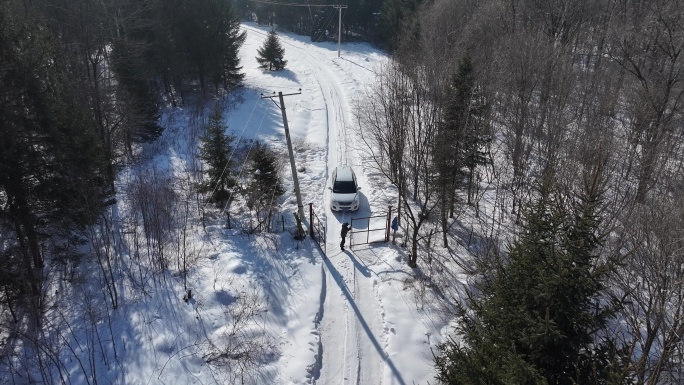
344	173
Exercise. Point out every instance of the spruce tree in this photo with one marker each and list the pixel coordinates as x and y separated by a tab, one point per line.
136	83
231	72
265	184
216	152
538	318
448	151
396	19
271	54
465	129
471	103
457	150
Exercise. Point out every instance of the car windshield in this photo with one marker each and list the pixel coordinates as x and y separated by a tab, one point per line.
344	187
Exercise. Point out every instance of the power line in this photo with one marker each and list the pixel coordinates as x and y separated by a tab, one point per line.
231	154
328	19
292	4
244	163
295	179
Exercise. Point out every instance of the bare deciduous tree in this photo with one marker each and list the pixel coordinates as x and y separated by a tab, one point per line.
651	279
647	41
398	122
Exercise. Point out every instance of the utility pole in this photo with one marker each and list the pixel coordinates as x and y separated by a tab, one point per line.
339	27
295	179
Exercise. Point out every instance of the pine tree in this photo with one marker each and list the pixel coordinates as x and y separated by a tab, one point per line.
136	82
396	19
271	54
538	318
470	103
458	145
265	185
216	152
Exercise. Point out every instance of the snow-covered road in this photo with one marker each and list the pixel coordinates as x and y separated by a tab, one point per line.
363	294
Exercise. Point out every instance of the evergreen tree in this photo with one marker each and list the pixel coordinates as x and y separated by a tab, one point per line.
360	16
538	318
138	85
227	72
271	54
216	152
265	184
198	40
396	18
468	109
134	62
459	141
231	75
450	145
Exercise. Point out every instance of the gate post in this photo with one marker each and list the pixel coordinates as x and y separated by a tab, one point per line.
387	225
311	221
368	231
351	233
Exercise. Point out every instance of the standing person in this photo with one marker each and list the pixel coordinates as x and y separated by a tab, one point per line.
395	227
343	234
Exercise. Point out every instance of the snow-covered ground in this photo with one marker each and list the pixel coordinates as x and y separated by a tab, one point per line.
351	318
358	318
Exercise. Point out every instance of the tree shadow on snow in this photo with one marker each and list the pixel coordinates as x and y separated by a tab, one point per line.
283	74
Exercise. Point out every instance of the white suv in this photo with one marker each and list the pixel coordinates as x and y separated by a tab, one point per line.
345	191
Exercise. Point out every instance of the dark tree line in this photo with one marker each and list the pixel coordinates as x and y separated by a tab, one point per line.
361	20
82	84
381	22
51	160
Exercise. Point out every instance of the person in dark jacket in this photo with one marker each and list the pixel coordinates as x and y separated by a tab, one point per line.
343	234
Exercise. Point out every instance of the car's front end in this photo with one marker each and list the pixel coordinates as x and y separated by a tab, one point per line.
344	202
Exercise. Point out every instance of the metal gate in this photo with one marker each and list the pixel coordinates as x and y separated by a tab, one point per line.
317	229
370	229
363	230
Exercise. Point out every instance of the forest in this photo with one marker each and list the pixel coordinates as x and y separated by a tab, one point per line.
572	112
564	118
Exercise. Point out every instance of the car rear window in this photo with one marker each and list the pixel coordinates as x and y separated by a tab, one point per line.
344	187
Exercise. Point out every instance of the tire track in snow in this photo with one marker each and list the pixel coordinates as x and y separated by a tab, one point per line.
332	302
350	371
331	369
349	322
363	358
